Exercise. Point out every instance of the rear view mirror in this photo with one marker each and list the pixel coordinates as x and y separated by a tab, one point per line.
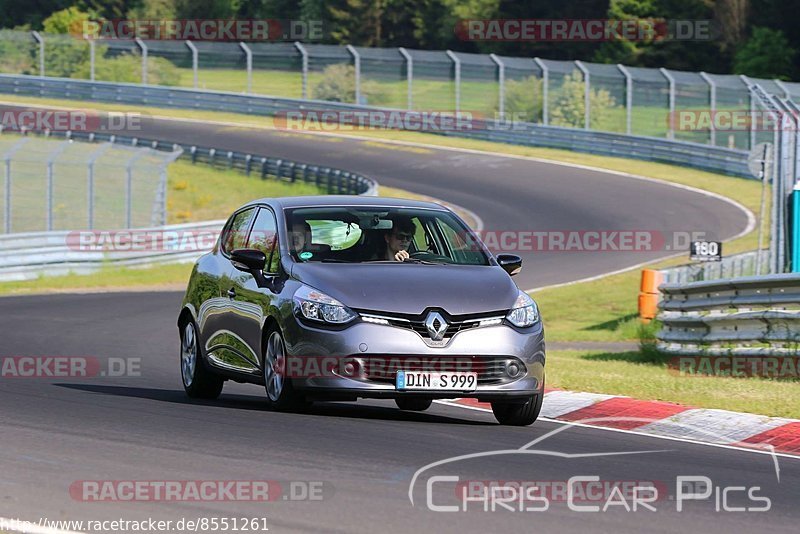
248	259
511	263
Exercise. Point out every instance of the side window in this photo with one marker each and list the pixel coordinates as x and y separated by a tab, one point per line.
235	234
264	237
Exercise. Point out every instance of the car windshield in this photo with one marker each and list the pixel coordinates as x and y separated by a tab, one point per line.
358	234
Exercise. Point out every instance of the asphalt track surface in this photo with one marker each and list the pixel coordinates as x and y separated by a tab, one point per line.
58	431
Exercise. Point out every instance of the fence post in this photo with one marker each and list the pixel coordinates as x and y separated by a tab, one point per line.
143	48
409	76
129	187
628	97
304	54
747	84
457	67
786	93
545	88
193	48
501	85
92	53
249	58
712	97
90	176
587	103
7	158
40	40
51	159
671	80
357	66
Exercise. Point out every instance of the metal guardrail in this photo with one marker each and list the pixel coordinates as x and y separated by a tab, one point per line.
26	256
736	265
696	155
750	316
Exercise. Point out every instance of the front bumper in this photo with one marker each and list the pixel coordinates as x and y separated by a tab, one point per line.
368	341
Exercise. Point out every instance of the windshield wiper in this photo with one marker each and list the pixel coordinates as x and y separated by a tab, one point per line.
337	260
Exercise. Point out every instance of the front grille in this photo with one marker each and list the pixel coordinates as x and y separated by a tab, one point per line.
490	369
455	324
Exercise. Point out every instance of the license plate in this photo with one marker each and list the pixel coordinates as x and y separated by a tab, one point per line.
436	381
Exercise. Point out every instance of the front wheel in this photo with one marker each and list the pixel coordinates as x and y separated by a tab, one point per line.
518	414
198	381
281	394
413	404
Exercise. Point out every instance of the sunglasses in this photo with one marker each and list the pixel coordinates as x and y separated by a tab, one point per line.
403	237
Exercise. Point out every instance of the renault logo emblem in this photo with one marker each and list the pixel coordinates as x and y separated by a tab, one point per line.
436	326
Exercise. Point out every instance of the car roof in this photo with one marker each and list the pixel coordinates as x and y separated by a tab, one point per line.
344	200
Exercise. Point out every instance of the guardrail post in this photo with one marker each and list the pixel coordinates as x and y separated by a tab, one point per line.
587	102
195	61
457	67
90	179
304	55
357	67
501	85
409	76
545	88
249	58
92	53
671	80
628	97
143	48
712	97
40	40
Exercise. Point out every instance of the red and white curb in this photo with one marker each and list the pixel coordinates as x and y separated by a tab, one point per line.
668	420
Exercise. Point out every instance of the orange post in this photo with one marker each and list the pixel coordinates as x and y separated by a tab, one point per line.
648	294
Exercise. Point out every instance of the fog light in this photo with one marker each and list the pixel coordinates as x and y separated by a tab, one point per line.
349	369
512	369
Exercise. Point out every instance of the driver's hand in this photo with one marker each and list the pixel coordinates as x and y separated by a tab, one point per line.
402	255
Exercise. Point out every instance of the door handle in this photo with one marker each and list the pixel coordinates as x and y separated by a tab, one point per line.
232	292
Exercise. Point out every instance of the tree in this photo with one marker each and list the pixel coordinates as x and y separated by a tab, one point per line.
766	54
569	108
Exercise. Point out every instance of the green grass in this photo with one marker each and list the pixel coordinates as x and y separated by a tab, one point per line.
644	375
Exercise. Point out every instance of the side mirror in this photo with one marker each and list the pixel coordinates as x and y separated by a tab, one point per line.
511	263
248	260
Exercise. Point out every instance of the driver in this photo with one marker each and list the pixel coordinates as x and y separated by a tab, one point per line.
399	237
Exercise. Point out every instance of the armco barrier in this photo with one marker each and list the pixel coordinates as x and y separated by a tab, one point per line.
751	316
25	256
696	155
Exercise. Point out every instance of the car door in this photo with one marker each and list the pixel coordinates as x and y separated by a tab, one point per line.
222	344
250	303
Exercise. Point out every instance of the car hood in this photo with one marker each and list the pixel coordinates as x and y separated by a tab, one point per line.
411	288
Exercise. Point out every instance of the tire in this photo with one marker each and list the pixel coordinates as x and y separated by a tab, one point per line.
518	414
413	404
281	395
198	380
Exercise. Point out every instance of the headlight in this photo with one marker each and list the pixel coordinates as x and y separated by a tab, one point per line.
317	306
524	313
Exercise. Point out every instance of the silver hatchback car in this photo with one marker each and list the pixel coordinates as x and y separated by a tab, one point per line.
343	297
